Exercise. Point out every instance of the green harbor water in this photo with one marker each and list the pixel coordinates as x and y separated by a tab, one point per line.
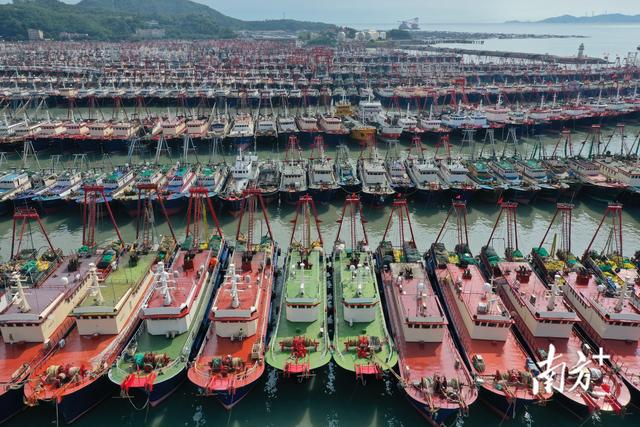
332	397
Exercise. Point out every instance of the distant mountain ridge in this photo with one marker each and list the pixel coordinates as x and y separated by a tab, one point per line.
119	19
609	18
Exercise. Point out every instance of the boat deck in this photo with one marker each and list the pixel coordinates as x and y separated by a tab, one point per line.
52	289
315	297
184	287
120	280
250	350
500	357
534	286
81	351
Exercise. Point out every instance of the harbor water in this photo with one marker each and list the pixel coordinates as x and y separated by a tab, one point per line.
332	397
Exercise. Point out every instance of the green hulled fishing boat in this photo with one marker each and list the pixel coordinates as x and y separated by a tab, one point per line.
155	361
300	343
361	341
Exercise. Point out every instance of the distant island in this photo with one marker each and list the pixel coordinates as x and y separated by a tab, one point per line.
610	18
130	19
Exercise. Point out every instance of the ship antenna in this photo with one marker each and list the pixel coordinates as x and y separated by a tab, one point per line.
20	297
623	295
235	302
552	298
302	279
94	288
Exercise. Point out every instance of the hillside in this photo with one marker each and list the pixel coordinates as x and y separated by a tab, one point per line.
611	18
119	19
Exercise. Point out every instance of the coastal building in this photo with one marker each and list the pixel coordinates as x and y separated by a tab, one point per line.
150	33
34	34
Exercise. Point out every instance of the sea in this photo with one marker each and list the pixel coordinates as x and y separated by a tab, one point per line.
332	397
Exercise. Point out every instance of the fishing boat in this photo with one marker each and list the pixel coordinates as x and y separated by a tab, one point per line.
175	190
323	183
74	377
434	378
213	177
602	288
232	356
40	182
266	128
244	174
482	325
397	170
361	342
544	319
533	172
54	198
308	127
595	184
38	295
334	130
286	126
133	195
490	189
242	135
519	190
174	315
300	342
345	171
11	184
269	180
293	177
360	132
376	188
455	175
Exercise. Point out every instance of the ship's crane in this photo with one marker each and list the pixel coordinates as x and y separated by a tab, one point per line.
199	201
93	194
146	223
24	216
400	210
251	197
352	210
305	208
459	208
613	213
511	245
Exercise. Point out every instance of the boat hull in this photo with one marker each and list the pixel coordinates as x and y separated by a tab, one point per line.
323	195
437	418
599	193
375	199
74	405
11	403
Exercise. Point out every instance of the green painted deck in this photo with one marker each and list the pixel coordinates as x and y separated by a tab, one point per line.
177	348
346	287
315	289
118	282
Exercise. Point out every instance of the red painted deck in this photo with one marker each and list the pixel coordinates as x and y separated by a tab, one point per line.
429	359
608	396
78	351
214	346
186	287
499	356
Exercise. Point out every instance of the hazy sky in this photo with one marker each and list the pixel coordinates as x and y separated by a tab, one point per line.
367	11
390	11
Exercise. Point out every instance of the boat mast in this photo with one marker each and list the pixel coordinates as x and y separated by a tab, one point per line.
93	193
26	215
399	209
565	211
197	215
613	212
305	207
460	209
353	208
509	209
